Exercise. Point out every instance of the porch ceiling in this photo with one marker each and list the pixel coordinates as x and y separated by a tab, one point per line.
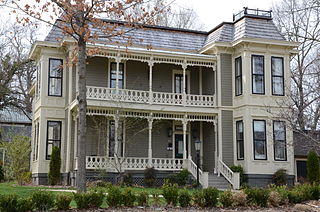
152	114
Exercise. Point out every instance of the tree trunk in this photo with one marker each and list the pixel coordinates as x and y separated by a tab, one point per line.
82	127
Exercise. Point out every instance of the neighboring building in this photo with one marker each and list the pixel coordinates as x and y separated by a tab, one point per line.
147	107
303	144
13	122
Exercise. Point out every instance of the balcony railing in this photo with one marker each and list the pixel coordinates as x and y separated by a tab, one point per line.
112	164
157	98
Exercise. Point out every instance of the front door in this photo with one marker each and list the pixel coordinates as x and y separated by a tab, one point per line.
178	142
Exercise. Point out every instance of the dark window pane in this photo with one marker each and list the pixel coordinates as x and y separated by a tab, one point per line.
258	84
257	64
260	150
55	68
277	66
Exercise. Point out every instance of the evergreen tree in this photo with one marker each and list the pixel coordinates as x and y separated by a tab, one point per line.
313	170
54	167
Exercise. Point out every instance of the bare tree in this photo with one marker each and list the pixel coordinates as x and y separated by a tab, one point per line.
299	21
77	19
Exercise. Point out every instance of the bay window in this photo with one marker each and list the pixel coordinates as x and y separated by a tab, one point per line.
55	77
238	76
277	70
53	136
257	66
279	139
240	142
259	140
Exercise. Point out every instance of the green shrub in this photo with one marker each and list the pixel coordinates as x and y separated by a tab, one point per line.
42	200
295	196
239	169
142	198
210	196
95	199
54	166
128	197
198	198
81	200
226	198
171	193
156	199
26	178
62	202
182	177
114	197
314	192
149	177
279	178
172	178
24	205
313	172
104	184
283	194
258	196
8	203
184	198
127	179
274	198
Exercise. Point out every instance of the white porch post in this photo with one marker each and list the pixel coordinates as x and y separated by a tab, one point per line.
150	121
201	147
118	60
76	141
150	63
184	123
215	146
116	135
184	98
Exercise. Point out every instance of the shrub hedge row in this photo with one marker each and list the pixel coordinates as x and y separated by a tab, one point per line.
116	197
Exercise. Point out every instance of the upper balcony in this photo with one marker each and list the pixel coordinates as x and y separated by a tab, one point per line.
159	86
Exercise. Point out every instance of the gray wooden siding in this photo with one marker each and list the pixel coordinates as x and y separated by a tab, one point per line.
137	75
72	156
136	143
96	136
97	72
195	134
208	147
160	139
194	79
74	72
226	79
207	81
162	77
227	136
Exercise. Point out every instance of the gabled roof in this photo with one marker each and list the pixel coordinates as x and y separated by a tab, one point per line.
13	116
305	142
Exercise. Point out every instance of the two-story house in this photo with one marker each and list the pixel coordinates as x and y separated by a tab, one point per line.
147	107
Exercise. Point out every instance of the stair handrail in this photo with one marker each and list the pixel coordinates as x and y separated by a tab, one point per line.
203	176
232	177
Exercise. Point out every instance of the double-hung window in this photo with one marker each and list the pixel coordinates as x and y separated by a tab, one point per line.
239	137
277	70
257	66
55	77
279	139
259	140
238	76
113	75
53	136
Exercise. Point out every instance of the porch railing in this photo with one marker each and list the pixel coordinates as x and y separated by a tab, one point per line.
232	177
132	163
138	96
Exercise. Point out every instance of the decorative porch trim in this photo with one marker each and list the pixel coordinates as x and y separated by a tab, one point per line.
155	115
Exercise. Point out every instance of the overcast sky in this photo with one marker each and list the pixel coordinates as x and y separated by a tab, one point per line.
213	12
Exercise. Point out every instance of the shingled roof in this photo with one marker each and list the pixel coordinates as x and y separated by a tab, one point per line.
190	40
305	142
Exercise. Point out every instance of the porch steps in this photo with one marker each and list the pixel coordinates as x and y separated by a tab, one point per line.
218	182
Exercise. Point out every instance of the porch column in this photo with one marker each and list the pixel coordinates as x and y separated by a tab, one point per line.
75	118
215	124
150	63
184	123
184	98
118	60
116	136
201	147
150	121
